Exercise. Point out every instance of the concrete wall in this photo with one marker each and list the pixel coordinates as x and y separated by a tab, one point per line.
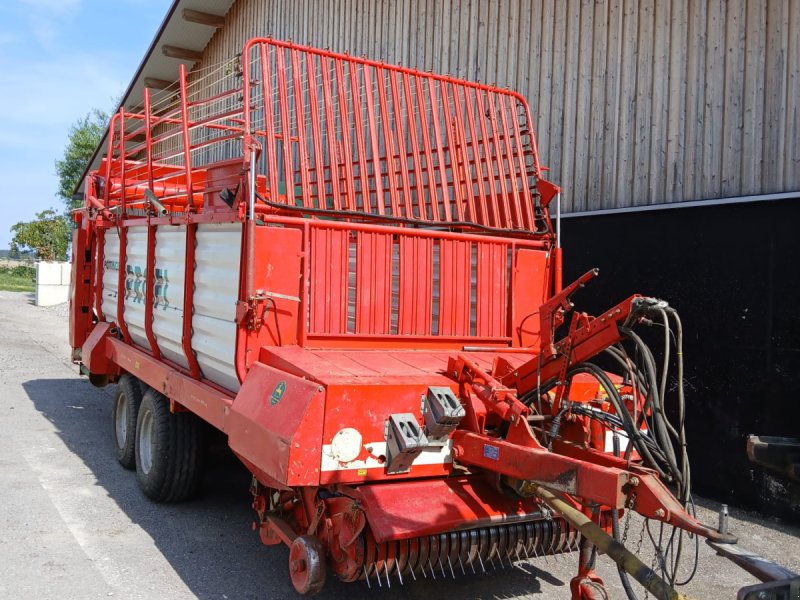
52	283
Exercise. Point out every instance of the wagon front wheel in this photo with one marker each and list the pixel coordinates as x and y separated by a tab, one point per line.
307	565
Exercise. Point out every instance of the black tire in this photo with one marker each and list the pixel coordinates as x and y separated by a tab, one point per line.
169	450
127	399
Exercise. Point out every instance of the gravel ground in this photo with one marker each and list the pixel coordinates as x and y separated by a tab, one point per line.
75	526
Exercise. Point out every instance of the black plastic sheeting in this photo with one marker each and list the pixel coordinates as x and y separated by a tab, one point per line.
733	273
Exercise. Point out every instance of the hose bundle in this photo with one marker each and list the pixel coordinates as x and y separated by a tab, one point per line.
659	441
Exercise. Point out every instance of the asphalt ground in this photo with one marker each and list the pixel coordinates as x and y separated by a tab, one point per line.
74	525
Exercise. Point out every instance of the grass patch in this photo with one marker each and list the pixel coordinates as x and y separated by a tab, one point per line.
17	279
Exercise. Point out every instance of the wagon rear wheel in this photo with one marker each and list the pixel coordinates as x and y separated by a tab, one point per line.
169	450
124	412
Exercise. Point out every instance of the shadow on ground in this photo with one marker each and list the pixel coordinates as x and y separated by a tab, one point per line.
208	541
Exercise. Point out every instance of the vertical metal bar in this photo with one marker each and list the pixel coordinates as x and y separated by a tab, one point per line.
330	132
305	165
426	143
558	273
269	124
306	287
148	137
316	132
123	212
483	218
437	134
497	158
527	200
510	174
411	115
188	298
347	148
452	129
355	92
149	294
511	302
187	149
251	205
109	158
373	135
386	126
191	228
286	126
121	281
400	135
123	237
246	91
496	221
98	274
558	220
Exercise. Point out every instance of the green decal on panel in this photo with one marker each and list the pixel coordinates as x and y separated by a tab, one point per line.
277	393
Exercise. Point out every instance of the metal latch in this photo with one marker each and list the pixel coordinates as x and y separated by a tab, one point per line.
443	412
404	441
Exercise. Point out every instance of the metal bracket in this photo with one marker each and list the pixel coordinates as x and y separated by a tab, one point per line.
404	441
443	412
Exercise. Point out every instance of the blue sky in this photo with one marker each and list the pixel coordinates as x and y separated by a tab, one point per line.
58	60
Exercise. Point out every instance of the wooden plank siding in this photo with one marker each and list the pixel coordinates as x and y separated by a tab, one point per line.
635	102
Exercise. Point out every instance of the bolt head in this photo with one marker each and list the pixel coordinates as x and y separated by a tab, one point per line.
660	513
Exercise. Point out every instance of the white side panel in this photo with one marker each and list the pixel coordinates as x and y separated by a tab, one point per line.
135	284
169	278
110	275
216	279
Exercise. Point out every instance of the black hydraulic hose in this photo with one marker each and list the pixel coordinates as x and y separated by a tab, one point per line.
623	576
661	429
555	426
361	216
681	404
619	406
624	361
665	369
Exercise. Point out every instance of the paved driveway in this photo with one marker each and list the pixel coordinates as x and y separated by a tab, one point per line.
75	526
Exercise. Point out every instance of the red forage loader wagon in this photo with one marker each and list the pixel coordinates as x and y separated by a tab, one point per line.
350	269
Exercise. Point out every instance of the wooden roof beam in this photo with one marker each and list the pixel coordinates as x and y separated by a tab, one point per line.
203	18
157	84
181	53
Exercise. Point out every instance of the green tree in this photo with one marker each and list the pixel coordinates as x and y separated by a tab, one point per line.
84	136
47	236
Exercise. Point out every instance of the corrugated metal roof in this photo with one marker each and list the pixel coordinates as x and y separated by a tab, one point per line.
174	31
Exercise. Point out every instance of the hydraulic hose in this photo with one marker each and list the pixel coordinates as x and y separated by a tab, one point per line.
623	576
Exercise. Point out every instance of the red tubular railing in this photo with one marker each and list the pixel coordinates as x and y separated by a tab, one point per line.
350	135
355	135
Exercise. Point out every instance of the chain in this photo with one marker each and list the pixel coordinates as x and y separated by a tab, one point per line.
641	539
653	570
627	526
